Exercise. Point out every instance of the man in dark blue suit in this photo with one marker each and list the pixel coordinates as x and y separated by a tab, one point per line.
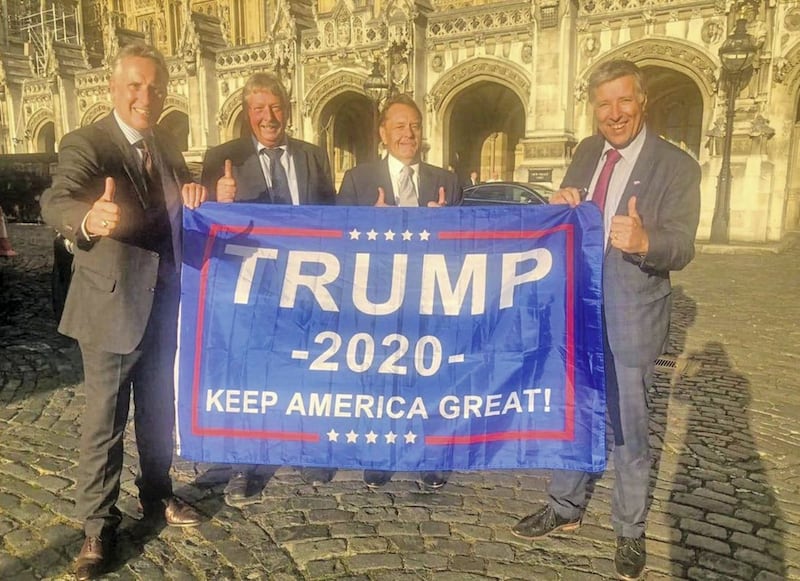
649	194
400	179
266	166
401	133
116	196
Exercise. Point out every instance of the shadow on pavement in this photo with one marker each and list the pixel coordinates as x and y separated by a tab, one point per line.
720	505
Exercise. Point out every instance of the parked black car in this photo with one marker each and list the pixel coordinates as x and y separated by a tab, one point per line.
491	193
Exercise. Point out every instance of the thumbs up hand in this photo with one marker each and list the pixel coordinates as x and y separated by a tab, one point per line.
381	201
441	202
104	216
628	233
226	185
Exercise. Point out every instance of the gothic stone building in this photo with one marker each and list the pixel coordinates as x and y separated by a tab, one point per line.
502	84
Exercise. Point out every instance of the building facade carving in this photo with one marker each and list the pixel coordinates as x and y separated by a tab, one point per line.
502	84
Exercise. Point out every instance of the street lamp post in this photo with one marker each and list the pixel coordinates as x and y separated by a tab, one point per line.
376	87
736	55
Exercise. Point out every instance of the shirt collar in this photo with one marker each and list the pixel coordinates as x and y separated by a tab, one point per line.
395	165
260	146
132	135
631	151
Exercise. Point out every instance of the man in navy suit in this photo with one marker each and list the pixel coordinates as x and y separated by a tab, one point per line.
116	196
400	179
649	194
401	132
266	166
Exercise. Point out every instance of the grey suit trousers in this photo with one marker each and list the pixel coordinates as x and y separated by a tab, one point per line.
110	378
568	488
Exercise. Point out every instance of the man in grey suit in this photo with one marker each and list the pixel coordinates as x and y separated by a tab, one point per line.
116	197
400	179
268	167
649	193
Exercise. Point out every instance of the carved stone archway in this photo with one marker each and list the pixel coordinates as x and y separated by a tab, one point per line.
475	71
40	122
669	53
228	115
95	112
476	75
327	89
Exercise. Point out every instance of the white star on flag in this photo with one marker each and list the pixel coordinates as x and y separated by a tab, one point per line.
354	234
333	436
389	235
410	437
351	437
424	235
372	437
372	235
391	437
407	235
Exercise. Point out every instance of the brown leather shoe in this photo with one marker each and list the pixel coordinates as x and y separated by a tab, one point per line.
91	560
179	514
173	510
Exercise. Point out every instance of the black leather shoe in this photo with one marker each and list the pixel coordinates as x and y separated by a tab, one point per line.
91	561
434	480
173	510
317	475
237	487
377	478
630	557
543	522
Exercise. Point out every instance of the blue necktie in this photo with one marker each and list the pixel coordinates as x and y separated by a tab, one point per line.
279	192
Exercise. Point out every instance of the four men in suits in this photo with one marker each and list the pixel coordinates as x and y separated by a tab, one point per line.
116	197
649	194
266	166
400	179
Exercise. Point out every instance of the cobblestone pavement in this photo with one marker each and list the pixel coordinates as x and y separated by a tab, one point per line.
725	475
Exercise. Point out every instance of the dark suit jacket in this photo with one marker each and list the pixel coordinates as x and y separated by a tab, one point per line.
360	185
313	171
637	297
112	288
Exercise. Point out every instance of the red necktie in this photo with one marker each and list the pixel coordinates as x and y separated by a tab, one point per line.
601	188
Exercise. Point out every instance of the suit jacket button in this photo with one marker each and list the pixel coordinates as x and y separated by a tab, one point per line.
152	289
154	254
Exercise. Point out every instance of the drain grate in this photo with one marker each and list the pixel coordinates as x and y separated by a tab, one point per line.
666	363
681	365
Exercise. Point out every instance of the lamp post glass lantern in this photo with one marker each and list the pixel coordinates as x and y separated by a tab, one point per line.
376	88
736	55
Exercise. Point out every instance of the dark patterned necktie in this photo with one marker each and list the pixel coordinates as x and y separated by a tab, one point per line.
601	188
279	191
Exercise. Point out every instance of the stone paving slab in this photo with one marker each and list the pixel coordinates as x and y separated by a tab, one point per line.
725	474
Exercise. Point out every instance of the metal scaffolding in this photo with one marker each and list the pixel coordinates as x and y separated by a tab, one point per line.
38	24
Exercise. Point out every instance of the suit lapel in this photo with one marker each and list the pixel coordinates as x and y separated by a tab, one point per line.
300	158
427	184
385	182
251	178
130	160
640	174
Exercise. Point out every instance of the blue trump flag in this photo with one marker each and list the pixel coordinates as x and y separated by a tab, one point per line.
392	339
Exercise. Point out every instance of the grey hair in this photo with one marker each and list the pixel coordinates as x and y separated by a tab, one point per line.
141	50
399	99
612	70
265	82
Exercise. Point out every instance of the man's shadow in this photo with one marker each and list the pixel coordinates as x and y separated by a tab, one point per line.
709	485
